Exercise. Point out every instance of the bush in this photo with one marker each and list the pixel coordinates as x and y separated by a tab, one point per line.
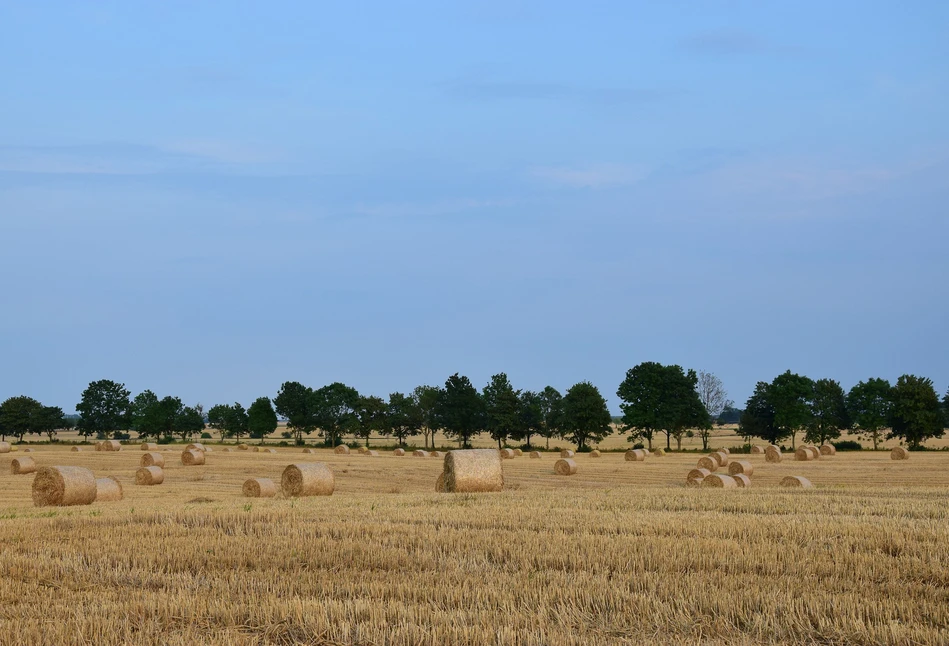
847	445
119	435
638	445
205	436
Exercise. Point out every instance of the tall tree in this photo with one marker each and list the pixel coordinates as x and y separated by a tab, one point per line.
217	417
791	397
531	417
297	404
586	416
188	421
49	419
335	407
426	397
660	398
828	412
869	403
261	418
460	410
147	416
19	416
404	417
502	408
103	409
758	420
916	414
370	415
714	398
551	409
945	408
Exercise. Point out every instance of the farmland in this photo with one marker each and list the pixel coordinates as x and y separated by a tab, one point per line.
619	553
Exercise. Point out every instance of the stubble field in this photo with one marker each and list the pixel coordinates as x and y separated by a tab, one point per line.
622	552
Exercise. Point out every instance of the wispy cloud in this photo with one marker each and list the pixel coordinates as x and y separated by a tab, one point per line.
595	176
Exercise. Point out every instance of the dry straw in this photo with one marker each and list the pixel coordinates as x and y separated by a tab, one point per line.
719	481
311	479
192	458
696	476
399	452
636	455
772	454
196	446
149	446
109	445
803	454
152	460
149	476
259	488
796	481
63	486
228	450
76	449
567	453
740	466
268	450
708	463
27	450
535	455
420	453
473	471
660	452
757	450
4	447
243	447
22	466
724	450
309	451
595	453
507	454
828	449
371	454
108	489
742	480
721	457
440	484
899	453
518	452
436	454
363	449
342	449
565	467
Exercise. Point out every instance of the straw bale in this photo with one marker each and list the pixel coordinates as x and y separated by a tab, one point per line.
27	450
111	445
399	452
740	466
108	489
772	454
567	453
436	454
228	450
440	483
899	453
742	480
473	471
363	449
149	446
371	454
724	450
342	449
268	450
803	454
535	455
4	447
243	447
419	453
696	476
719	481
22	466
518	452
63	486
796	481
507	454
660	452
309	451
76	449
708	463
192	458
310	479
149	476
259	488
757	450
828	449
565	467
152	459
595	453
721	458
195	446
636	455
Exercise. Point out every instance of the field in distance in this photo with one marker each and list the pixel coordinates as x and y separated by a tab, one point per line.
622	552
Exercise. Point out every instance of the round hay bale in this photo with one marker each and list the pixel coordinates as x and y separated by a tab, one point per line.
565	467
534	455
149	476
436	454
259	488
420	453
149	446
724	450
828	449
100	446
772	454
108	489
228	450
371	454
742	480
363	449
595	453
719	481
440	484
268	450
660	452
696	476
518	452
708	463
192	458
208	450
256	449
4	447
473	471
740	466
342	449
111	445
311	479
152	459
899	453
399	452
803	454
309	451
796	481
757	450
196	446
63	486
76	449
21	466
567	453
27	450
721	458
243	447
636	455
507	454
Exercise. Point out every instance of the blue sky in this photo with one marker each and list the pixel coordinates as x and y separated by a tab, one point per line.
208	199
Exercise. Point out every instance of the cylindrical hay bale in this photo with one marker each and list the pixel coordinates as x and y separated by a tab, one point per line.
149	476
437	454
595	453
152	460
507	454
228	450
195	446
4	447
440	483
76	449
473	471
309	451
108	489
660	452
363	449
828	449
243	447
63	486
268	450
803	454
721	457
518	452
740	466
899	453
27	450
719	481
567	453
399	452
192	458
208	449
20	466
111	445
311	479
796	481
636	455
100	446
708	463
565	467
149	446
772	454
757	450
256	449
535	455
371	454
696	476
724	450
342	449
742	480
259	488
420	453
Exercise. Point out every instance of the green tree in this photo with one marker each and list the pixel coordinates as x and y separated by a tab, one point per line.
757	420
335	409
188	421
460	410
791	397
531	417
49	419
217	418
19	416
404	417
714	397
502	409
426	397
298	405
261	418
586	416
146	415
103	409
661	398
729	415
370	412
916	413
828	412
945	409
869	403
551	410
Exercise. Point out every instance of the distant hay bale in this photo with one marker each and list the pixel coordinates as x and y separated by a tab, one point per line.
635	455
21	466
660	452
363	449
152	459
243	447
719	481
63	486
436	454
259	488
196	446
567	453
803	454
742	480
507	454
342	449
268	450
828	449
796	481
310	479
76	449
722	458
99	446
192	458
708	463
565	467
740	466
256	449
518	452
309	450
208	449
111	445
899	453
440	484
149	446
772	454
4	447
757	450
420	453
228	450
27	450
696	476
535	455
473	471
399	452
595	453
149	476
108	489
725	450
371	454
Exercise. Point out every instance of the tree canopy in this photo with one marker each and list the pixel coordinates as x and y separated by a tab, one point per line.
460	410
586	416
261	418
828	412
916	413
103	409
869	403
502	408
661	398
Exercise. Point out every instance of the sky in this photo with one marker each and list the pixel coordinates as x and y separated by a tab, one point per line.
207	199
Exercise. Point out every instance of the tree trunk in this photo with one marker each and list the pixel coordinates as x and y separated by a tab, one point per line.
679	443
548	443
668	441
528	441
